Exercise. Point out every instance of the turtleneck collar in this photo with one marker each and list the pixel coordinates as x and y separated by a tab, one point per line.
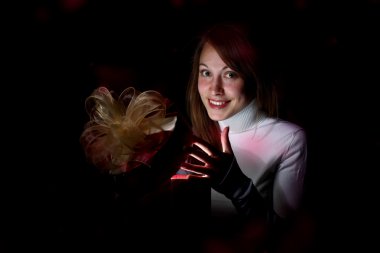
242	120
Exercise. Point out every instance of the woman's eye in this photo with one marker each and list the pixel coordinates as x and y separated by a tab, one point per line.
231	74
205	73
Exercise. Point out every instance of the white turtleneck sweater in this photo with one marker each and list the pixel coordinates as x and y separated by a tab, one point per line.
272	152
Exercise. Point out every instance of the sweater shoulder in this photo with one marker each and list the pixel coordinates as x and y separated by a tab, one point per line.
283	127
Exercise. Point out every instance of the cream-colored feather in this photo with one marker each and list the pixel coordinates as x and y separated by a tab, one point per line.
118	128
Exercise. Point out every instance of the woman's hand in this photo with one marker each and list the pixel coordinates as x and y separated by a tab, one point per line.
221	167
207	161
225	174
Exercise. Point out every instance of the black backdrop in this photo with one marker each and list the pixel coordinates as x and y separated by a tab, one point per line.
325	54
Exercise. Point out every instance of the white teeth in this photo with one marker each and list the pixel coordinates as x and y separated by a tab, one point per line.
217	103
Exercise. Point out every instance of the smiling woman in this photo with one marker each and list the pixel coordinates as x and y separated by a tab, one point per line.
221	88
255	161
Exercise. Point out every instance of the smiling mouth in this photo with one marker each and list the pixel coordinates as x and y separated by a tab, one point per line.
217	104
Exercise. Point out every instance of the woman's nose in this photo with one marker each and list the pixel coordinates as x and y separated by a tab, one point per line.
216	86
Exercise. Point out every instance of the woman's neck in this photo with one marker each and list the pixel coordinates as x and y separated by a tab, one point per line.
242	120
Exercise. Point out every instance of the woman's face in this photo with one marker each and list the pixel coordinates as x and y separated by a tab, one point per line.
221	88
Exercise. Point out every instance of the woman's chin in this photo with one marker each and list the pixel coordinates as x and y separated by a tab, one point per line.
217	117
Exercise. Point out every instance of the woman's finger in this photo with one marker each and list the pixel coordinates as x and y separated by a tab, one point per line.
203	147
226	145
196	169
197	154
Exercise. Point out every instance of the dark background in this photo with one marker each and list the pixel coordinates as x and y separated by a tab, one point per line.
323	54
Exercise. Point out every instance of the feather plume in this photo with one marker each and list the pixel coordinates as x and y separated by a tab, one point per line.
121	129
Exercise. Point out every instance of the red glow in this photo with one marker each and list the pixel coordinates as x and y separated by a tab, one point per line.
181	177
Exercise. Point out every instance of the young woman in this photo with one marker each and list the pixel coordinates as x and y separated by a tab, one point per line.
254	160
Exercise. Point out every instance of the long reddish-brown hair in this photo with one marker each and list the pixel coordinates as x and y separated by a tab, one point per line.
236	49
